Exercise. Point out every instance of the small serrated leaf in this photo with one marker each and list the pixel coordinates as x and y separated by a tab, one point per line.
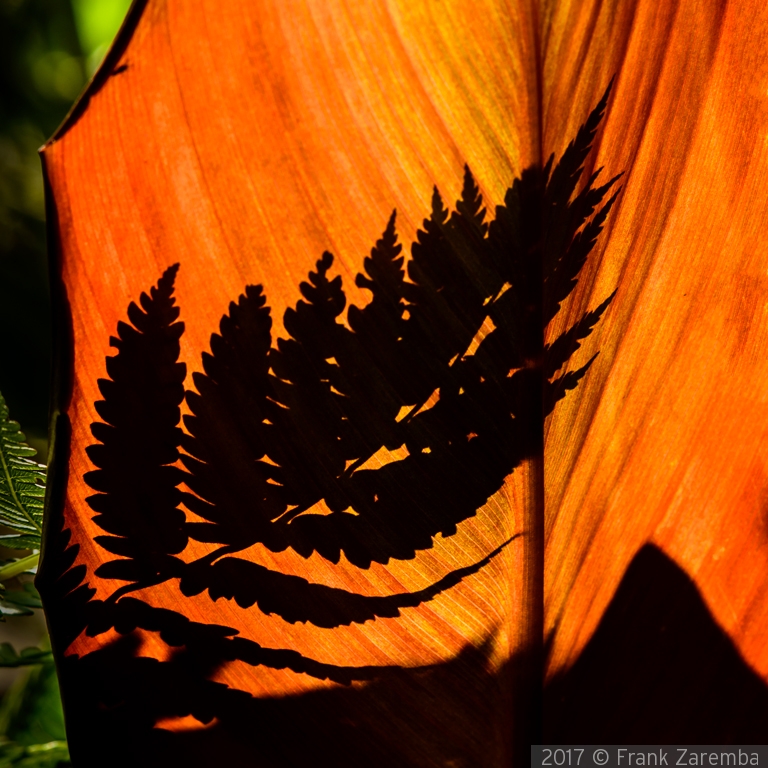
22	486
28	597
11	609
14	541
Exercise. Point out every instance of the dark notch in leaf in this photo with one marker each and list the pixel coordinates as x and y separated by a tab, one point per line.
137	497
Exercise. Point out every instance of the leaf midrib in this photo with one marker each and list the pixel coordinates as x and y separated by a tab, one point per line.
14	495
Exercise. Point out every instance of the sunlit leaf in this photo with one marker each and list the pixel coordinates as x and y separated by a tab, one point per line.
357	526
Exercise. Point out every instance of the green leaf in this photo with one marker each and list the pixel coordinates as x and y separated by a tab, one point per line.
22	486
11	753
49	755
10	658
30	712
16	541
12	568
9	609
28	596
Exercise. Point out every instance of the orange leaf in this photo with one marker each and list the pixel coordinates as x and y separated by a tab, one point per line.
213	591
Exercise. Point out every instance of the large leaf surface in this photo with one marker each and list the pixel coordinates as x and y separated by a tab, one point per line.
243	144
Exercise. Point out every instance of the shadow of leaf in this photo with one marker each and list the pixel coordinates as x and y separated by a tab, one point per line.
444	372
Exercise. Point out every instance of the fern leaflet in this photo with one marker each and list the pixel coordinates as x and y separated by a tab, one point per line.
22	486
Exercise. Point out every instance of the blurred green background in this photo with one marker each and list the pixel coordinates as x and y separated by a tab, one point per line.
48	51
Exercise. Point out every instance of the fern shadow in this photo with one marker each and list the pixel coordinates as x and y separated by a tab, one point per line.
137	497
658	670
367	438
364	439
370	438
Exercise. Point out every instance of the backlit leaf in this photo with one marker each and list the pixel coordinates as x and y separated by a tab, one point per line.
416	450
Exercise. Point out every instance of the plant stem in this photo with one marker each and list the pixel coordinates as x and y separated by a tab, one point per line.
528	666
18	566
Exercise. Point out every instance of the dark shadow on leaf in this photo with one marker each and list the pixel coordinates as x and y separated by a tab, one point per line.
446	363
447	367
208	646
297	600
138	496
413	717
658	670
363	439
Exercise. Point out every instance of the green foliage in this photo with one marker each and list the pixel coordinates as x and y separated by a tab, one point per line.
22	492
50	755
46	54
22	486
27	596
41	72
97	22
31	721
10	658
17	602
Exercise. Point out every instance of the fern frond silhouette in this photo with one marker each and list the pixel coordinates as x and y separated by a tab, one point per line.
227	431
137	500
331	395
445	365
366	432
